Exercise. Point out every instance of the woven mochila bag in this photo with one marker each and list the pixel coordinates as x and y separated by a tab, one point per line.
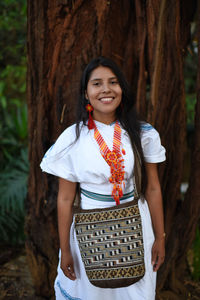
111	243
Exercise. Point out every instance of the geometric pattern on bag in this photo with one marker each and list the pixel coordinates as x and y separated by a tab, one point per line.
111	244
119	273
112	214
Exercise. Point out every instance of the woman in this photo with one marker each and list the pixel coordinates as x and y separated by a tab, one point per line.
76	157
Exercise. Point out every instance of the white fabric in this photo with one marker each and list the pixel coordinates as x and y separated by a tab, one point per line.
82	162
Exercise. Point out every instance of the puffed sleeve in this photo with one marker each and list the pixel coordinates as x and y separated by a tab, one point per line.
153	151
59	160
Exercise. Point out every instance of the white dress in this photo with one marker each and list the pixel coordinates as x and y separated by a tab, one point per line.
82	162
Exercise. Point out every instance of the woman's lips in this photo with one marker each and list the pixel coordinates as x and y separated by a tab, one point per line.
106	100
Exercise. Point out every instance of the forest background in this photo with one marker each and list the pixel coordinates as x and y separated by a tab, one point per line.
14	163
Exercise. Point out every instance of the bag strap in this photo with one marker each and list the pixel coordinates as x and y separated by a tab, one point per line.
137	173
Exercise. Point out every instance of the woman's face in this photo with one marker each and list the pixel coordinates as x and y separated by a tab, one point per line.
104	94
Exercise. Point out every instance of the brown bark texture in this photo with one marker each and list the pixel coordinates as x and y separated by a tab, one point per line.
148	39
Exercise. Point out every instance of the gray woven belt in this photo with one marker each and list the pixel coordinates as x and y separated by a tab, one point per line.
105	198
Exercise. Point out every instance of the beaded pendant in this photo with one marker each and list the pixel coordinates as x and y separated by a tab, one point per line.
114	159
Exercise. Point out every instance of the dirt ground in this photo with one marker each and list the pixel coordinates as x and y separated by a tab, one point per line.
16	282
15	279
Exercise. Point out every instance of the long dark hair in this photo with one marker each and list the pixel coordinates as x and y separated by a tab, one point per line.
125	113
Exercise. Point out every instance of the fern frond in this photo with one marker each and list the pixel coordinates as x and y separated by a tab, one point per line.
13	190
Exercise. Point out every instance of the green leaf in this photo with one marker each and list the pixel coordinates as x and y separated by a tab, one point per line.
13	190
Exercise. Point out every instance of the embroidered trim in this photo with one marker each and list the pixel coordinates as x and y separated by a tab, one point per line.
105	198
146	127
65	294
49	150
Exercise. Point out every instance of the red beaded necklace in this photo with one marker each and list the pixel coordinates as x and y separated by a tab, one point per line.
114	159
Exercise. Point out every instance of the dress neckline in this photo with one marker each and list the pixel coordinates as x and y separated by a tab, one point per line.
101	124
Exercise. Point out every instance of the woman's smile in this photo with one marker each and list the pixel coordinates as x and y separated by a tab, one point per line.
104	94
106	100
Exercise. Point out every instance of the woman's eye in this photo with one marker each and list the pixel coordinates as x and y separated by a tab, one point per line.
114	82
96	83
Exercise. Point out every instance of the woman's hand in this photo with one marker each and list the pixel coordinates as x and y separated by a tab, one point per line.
66	195
67	265
158	253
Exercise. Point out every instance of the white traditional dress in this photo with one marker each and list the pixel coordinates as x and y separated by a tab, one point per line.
82	162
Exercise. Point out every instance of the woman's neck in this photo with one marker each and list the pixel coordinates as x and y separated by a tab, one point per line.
106	119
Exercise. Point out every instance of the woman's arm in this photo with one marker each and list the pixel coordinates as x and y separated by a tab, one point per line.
154	198
66	195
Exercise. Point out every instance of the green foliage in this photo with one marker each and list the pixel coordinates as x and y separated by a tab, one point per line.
196	259
190	107
14	173
13	81
13	184
190	73
13	187
13	133
13	120
12	32
191	69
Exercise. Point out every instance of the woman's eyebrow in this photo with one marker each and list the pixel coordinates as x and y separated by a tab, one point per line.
98	79
95	79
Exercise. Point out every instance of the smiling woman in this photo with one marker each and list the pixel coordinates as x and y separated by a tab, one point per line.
101	158
104	94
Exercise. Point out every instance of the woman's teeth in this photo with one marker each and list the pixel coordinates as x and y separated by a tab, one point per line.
106	99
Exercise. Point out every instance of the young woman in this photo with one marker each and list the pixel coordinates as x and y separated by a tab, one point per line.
76	157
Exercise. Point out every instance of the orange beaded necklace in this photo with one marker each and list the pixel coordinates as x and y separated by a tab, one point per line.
114	159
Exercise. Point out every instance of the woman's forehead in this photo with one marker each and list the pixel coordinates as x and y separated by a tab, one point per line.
102	72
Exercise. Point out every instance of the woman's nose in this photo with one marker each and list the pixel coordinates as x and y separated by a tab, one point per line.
106	88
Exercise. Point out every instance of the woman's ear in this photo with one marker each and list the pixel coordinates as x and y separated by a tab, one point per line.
86	95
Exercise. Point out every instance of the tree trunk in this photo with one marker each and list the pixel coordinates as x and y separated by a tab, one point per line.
63	36
146	39
186	218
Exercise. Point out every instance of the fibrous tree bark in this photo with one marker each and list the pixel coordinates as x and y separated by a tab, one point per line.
62	37
185	219
148	39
